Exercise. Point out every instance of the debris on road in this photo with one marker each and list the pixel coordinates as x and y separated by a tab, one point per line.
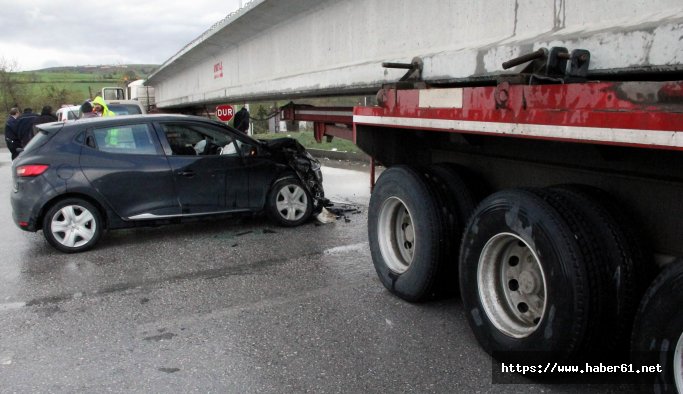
337	211
326	216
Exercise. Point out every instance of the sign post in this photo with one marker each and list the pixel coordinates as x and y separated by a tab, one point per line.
225	112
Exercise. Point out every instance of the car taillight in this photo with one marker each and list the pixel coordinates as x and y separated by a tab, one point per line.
31	170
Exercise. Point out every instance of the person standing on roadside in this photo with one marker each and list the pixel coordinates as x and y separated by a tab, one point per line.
100	107
11	136
241	121
46	116
25	126
87	110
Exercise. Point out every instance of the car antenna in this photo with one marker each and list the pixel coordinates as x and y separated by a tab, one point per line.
76	117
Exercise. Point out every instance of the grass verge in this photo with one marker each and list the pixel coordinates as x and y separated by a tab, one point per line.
306	139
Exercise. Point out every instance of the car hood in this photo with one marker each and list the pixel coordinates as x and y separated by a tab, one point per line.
277	144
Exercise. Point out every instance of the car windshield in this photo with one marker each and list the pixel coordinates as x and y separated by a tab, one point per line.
247	138
125	109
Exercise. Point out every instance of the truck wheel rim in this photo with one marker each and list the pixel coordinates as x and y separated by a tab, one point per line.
678	364
511	285
396	233
73	226
291	202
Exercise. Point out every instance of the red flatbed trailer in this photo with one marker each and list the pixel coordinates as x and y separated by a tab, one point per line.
637	114
549	201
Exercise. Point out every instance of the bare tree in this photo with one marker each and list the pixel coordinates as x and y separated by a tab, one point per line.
56	96
129	76
11	90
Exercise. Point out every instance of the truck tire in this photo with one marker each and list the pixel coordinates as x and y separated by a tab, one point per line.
460	198
658	330
405	233
476	185
72	225
524	280
621	264
455	203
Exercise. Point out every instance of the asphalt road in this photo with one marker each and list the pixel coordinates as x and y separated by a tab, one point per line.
235	306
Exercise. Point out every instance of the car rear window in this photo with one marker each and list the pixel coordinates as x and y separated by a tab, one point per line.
125	109
38	140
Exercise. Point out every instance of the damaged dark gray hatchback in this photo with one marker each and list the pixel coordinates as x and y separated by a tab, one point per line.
76	178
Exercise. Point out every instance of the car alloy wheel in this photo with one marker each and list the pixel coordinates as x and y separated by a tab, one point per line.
289	204
72	225
292	202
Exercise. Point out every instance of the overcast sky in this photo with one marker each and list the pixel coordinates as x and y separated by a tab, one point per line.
48	33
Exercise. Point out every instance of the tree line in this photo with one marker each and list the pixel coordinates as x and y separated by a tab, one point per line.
29	90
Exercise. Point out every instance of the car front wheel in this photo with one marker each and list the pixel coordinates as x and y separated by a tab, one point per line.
289	204
72	225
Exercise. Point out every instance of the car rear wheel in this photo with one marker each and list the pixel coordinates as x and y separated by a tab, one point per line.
289	204
72	225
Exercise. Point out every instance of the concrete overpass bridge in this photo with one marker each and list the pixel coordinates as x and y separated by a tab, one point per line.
284	49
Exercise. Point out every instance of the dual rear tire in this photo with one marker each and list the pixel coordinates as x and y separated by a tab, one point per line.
553	273
548	273
415	218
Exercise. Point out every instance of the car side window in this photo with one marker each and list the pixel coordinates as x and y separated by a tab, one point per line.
191	140
133	139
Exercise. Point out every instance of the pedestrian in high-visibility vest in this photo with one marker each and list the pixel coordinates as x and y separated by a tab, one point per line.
101	107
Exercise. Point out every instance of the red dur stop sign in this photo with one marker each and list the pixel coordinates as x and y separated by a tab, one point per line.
225	112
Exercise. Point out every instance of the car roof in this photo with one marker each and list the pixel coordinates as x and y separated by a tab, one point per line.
125	119
128	118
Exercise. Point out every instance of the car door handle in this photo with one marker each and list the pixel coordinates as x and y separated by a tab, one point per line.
188	174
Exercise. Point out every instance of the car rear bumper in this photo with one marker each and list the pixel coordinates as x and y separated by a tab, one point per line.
28	197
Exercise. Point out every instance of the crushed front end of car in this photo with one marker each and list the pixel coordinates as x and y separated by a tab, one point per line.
304	165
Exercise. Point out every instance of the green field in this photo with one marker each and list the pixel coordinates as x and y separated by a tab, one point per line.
84	82
67	85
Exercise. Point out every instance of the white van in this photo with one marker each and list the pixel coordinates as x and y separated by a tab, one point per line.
119	107
68	112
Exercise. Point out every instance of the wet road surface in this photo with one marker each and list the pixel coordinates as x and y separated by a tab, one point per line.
233	306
